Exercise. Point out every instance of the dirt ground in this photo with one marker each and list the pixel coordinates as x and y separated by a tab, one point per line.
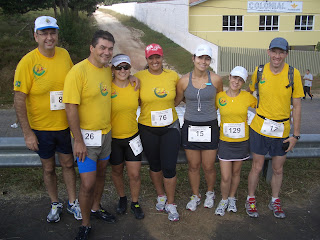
25	218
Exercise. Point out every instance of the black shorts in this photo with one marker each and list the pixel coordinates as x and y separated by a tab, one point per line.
233	151
53	141
121	151
262	145
213	145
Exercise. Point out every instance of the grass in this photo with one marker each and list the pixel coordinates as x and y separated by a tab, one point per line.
16	40
301	177
174	55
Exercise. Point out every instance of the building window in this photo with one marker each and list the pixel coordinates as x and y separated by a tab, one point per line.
304	23
232	23
269	23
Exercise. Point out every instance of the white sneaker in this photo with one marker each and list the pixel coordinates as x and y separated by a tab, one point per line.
74	208
161	202
209	202
173	214
193	203
232	207
220	210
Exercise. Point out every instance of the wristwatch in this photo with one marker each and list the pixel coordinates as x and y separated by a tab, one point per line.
296	137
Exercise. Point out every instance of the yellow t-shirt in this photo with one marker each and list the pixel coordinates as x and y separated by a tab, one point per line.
234	110
124	102
36	76
157	93
90	88
275	98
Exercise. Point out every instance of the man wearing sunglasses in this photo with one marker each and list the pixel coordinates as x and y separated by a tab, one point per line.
38	85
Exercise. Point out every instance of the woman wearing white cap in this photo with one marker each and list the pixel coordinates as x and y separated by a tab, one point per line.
233	105
200	132
159	127
126	143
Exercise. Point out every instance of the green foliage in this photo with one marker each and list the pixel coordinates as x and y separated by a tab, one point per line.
318	47
88	6
24	6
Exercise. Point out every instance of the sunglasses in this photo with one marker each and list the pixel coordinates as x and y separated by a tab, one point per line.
125	67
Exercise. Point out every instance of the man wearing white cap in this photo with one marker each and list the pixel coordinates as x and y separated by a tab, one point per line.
277	84
38	85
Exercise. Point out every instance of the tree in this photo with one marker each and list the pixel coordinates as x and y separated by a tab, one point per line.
318	47
24	6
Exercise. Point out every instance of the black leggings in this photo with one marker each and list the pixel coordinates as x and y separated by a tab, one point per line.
307	90
161	146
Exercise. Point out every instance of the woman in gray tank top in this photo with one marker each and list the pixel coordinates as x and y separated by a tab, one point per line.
200	132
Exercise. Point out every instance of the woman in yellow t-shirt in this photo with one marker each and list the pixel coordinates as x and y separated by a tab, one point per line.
159	127
233	106
126	144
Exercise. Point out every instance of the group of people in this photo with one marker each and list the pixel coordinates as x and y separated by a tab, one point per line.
97	103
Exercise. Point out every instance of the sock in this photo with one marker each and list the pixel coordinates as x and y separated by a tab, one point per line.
224	200
231	198
123	199
134	203
250	197
273	199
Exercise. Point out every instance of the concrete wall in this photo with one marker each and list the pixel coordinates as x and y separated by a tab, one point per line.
170	18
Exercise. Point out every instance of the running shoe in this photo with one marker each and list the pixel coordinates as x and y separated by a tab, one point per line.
251	208
83	233
173	214
232	207
193	203
74	208
276	208
104	215
55	211
137	211
209	202
161	202
122	205
221	209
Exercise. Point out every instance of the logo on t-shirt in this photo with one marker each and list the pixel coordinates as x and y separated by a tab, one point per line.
103	89
38	70
263	80
223	101
17	84
160	92
113	93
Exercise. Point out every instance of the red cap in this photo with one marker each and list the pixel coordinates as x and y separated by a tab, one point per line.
153	49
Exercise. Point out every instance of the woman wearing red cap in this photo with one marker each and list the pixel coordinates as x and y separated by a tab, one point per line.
200	132
159	127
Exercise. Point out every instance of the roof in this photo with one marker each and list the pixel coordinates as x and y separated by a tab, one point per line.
195	2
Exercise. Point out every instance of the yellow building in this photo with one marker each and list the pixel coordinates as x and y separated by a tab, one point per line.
253	24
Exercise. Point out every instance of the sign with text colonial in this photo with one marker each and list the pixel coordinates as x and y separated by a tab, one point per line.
278	6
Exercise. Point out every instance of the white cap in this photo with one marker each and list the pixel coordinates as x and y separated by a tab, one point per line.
203	49
122	58
45	22
239	71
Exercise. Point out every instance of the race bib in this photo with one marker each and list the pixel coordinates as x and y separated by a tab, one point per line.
56	100
161	118
136	145
250	116
199	134
272	128
234	130
92	138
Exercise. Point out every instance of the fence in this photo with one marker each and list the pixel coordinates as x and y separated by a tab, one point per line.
229	57
14	153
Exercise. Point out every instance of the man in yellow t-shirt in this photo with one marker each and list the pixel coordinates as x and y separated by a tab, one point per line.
270	127
87	94
38	85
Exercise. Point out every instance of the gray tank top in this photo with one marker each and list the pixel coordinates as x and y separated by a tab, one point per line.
203	100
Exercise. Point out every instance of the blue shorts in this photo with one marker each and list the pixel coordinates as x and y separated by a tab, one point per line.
101	153
261	145
89	165
53	141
